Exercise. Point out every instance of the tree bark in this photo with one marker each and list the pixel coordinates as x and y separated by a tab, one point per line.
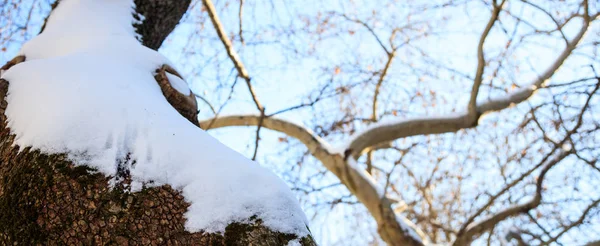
390	228
46	200
161	17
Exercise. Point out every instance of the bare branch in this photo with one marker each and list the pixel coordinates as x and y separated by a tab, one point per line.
257	139
388	64
370	29
388	131
212	109
593	243
559	25
241	15
341	162
472	108
392	228
233	55
473	231
317	146
577	222
468	232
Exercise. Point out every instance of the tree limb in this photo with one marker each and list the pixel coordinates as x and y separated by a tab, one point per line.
391	227
388	131
371	30
317	146
472	108
233	55
341	162
476	229
468	232
241	17
575	223
160	19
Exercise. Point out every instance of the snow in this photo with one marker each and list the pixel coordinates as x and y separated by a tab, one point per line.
87	89
366	176
294	243
404	223
178	84
410	227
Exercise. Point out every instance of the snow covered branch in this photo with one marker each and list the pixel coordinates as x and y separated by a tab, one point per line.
392	228
360	183
317	146
389	131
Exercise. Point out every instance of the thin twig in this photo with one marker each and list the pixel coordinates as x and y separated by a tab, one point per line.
233	55
241	14
472	108
371	30
257	140
206	102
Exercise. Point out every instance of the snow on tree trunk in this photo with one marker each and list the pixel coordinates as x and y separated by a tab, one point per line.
95	150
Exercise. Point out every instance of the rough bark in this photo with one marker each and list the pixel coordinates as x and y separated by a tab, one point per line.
186	105
161	17
47	200
380	207
12	62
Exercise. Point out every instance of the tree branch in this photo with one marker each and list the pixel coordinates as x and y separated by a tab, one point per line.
468	232
388	64
575	223
388	131
473	231
317	146
241	17
392	228
233	55
472	108
370	29
161	17
342	162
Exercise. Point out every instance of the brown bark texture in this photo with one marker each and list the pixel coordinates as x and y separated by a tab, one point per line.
161	17
186	105
46	200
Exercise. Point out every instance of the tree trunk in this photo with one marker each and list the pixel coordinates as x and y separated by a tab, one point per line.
45	199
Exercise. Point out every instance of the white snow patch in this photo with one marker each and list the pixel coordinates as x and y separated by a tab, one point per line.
87	89
295	242
366	176
411	228
404	223
178	84
140	18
